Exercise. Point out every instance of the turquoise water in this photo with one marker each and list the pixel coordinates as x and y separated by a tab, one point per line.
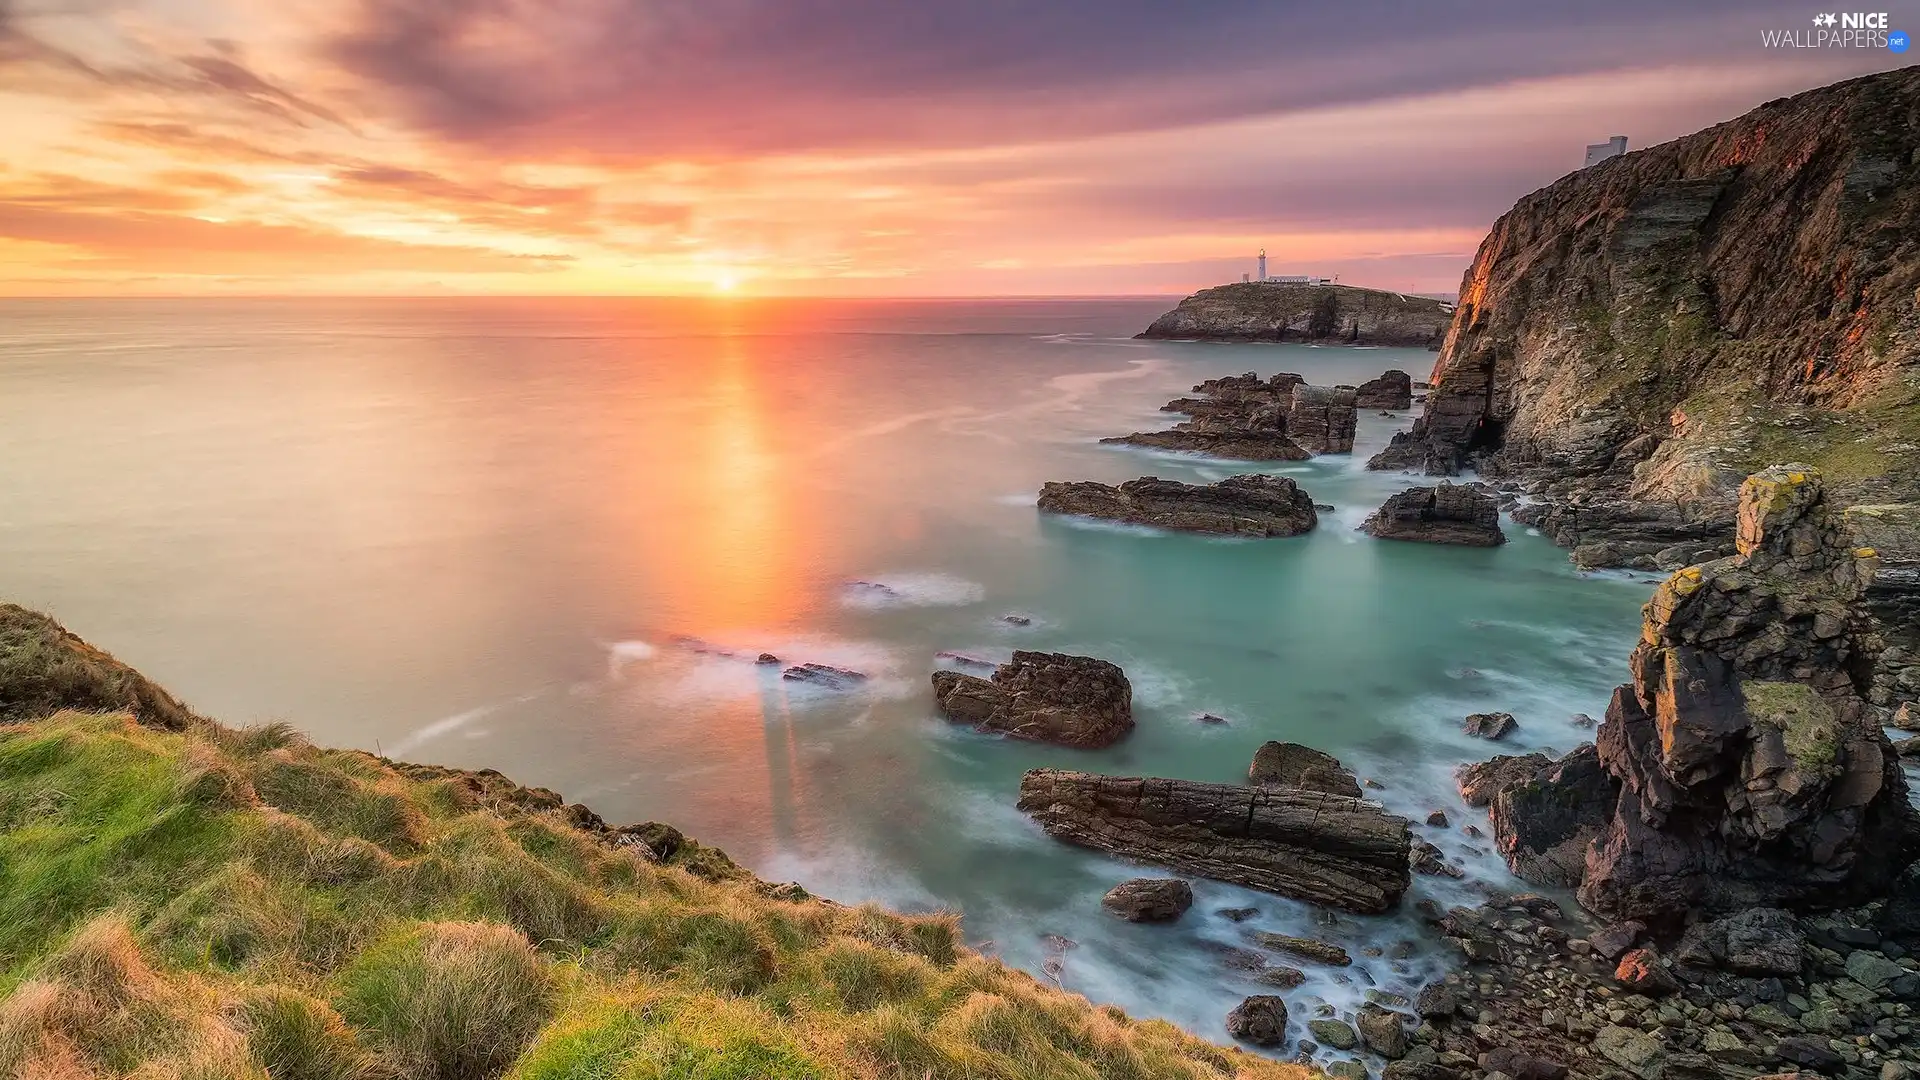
483	533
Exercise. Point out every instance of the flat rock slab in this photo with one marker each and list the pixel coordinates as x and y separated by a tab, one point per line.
1254	505
1326	849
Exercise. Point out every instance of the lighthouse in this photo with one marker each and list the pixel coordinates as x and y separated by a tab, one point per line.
1262	275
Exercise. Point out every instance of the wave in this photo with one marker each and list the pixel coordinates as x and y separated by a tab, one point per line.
909	590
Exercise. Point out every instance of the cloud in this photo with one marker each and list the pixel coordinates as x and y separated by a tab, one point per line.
634	78
134	239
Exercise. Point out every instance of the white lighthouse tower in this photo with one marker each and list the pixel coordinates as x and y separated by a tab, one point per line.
1262	276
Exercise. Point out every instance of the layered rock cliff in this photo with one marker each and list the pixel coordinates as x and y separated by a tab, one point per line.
1634	339
1265	311
1742	764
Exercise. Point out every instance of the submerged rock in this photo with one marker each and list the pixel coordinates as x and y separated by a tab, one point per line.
1291	765
1254	505
1048	697
825	675
1321	952
1491	726
1234	444
1446	514
1149	899
1326	849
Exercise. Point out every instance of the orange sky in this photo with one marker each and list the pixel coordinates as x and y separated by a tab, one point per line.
628	146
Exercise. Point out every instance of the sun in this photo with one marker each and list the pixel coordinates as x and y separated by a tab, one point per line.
726	281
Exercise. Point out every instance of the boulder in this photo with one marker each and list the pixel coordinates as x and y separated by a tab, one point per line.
1612	942
1643	972
1392	390
1322	952
1260	1020
1335	1033
1492	726
1382	1030
1758	942
1291	765
1444	514
1253	506
1543	825
1047	697
1326	849
1149	899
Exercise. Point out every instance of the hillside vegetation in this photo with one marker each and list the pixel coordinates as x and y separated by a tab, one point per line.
179	899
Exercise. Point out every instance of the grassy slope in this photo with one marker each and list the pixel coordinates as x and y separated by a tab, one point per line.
200	902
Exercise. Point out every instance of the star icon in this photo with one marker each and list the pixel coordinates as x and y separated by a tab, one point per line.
1829	19
1819	20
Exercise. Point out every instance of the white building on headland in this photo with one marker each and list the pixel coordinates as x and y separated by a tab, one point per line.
1260	274
1612	148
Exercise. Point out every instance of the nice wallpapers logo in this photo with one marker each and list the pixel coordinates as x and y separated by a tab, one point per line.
1840	30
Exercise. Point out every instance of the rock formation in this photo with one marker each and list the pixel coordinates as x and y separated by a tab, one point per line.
1251	419
1260	1020
1446	514
1392	390
1544	823
1634	339
1750	768
1149	899
1326	849
1264	311
1260	436
1290	765
1048	697
1322	419
1254	505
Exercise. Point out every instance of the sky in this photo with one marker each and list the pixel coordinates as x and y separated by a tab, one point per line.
826	147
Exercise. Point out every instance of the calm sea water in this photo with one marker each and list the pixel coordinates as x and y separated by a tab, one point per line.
483	533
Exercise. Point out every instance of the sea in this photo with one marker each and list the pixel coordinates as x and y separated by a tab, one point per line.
551	536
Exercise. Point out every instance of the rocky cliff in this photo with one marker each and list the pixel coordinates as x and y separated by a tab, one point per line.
1255	311
1634	339
1742	764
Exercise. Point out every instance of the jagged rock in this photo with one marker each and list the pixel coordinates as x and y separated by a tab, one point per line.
1248	444
825	675
1752	772
1480	781
1663	271
1047	697
1428	859
1149	899
1335	1033
963	660
1322	952
1291	765
1322	419
1641	971
1491	726
1326	849
767	659
1757	942
1255	505
1382	1030
1260	1020
1392	390
1274	311
1238	914
1613	941
1436	1001
1446	514
1438	819
1544	824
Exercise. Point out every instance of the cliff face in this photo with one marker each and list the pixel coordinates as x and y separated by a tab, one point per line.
1253	311
1640	335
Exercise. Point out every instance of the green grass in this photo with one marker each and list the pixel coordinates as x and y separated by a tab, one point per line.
204	903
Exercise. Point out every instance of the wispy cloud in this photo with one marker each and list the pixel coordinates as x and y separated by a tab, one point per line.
822	145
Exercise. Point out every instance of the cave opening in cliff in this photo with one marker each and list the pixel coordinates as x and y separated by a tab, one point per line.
1488	434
